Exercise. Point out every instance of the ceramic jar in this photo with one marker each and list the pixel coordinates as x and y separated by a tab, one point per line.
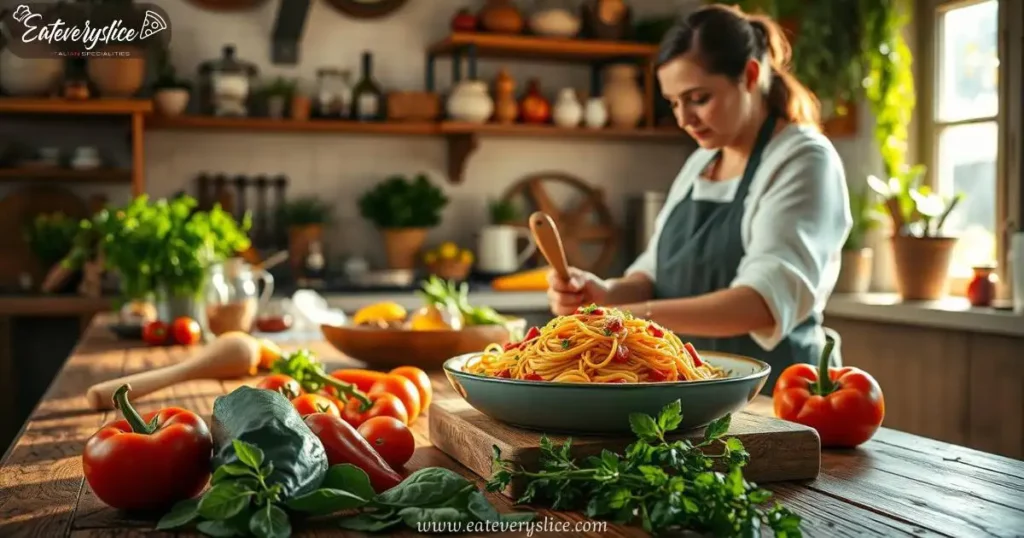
501	16
622	96
470	102
595	115
534	108
117	77
568	110
982	288
554	18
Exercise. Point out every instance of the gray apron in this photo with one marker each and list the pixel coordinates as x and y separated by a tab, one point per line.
699	251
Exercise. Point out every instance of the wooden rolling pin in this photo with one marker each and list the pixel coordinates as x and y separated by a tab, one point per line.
232	355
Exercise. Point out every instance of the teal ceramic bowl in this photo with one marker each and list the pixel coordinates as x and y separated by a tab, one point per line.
604	408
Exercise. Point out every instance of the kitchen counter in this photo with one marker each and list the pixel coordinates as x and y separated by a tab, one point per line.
896	484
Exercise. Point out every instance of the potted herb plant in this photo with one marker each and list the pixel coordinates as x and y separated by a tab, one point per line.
921	252
170	93
857	256
162	250
304	218
404	211
278	94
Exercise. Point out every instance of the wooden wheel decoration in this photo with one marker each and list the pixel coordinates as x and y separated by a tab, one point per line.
583	219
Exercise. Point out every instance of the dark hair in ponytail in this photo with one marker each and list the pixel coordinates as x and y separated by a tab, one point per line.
724	39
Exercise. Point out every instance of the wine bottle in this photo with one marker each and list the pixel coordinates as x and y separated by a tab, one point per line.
367	97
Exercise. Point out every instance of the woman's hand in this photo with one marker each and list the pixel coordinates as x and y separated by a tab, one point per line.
582	288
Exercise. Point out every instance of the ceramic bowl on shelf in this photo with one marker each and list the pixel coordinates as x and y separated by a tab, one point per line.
604	408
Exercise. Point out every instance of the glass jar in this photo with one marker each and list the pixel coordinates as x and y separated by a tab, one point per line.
333	93
233	297
226	83
982	289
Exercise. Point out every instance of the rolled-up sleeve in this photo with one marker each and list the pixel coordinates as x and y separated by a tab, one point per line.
796	233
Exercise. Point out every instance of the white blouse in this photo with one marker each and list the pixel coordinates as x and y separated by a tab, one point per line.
796	219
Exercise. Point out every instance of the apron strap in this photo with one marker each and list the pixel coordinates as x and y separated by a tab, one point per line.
764	135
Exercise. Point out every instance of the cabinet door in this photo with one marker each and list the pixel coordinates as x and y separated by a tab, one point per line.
996	421
923	374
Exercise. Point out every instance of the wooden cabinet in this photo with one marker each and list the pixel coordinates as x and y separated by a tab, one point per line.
960	387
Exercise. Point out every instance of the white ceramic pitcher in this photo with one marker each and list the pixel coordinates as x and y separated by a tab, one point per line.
498	249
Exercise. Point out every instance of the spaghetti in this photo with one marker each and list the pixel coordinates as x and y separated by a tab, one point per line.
595	345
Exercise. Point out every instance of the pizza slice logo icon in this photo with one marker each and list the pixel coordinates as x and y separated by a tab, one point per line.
151	25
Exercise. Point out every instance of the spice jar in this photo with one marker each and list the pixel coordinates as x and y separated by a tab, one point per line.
333	93
982	289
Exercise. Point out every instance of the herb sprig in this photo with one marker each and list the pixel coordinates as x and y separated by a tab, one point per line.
664	483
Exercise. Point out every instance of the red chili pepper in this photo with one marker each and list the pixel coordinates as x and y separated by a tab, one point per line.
845	405
693	354
344	444
148	462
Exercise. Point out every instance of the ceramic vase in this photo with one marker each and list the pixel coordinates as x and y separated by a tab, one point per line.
595	115
117	77
171	101
534	108
470	102
568	110
623	97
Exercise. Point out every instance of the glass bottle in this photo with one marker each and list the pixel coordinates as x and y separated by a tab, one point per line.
233	297
367	97
225	84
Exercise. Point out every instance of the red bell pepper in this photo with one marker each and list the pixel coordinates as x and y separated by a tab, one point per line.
845	405
148	462
344	444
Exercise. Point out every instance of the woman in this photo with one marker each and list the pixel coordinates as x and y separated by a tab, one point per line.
747	248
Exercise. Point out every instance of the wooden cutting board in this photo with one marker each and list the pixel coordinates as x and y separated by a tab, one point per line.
779	450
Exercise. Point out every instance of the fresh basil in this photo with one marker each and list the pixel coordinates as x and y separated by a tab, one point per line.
216	528
224	500
326	501
658	483
249	455
350	478
181	514
270	522
425	487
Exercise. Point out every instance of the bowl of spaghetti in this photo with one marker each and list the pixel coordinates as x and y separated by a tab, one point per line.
585	373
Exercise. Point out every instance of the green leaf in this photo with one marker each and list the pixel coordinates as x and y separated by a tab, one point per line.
348	477
270	522
326	501
670	417
367	522
517	517
230	470
424	487
217	528
717	428
248	454
417	515
644	427
181	514
224	500
481	508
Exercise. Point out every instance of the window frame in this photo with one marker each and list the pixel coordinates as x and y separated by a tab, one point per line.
1009	117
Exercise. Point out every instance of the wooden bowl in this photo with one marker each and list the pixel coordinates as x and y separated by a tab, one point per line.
388	348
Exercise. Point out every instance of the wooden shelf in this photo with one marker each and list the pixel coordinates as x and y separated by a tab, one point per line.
99	107
541	48
100	175
213	123
519	129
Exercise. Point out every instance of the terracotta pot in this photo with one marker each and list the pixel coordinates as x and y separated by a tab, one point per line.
117	77
855	273
922	266
299	239
300	107
403	246
623	97
501	16
171	101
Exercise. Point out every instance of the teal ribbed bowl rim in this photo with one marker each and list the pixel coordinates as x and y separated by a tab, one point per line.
763	369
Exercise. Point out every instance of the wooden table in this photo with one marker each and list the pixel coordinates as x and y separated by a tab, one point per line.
896	484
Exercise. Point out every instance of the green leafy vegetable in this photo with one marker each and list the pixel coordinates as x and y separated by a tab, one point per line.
665	484
445	294
398	202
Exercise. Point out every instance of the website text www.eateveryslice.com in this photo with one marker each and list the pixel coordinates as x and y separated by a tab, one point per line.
545	525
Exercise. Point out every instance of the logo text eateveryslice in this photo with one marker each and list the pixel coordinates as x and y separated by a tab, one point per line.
58	30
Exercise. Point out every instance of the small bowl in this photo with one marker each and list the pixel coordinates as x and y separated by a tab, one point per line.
387	348
604	408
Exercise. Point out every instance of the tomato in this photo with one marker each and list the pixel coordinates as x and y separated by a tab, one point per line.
284	384
155	332
390	438
186	331
401	387
362	379
384	405
621	354
307	404
422	382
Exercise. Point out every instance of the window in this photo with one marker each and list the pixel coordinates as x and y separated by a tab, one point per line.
965	126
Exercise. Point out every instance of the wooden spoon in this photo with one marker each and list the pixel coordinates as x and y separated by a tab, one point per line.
230	356
545	233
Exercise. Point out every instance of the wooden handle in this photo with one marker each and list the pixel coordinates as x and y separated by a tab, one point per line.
101	395
545	233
